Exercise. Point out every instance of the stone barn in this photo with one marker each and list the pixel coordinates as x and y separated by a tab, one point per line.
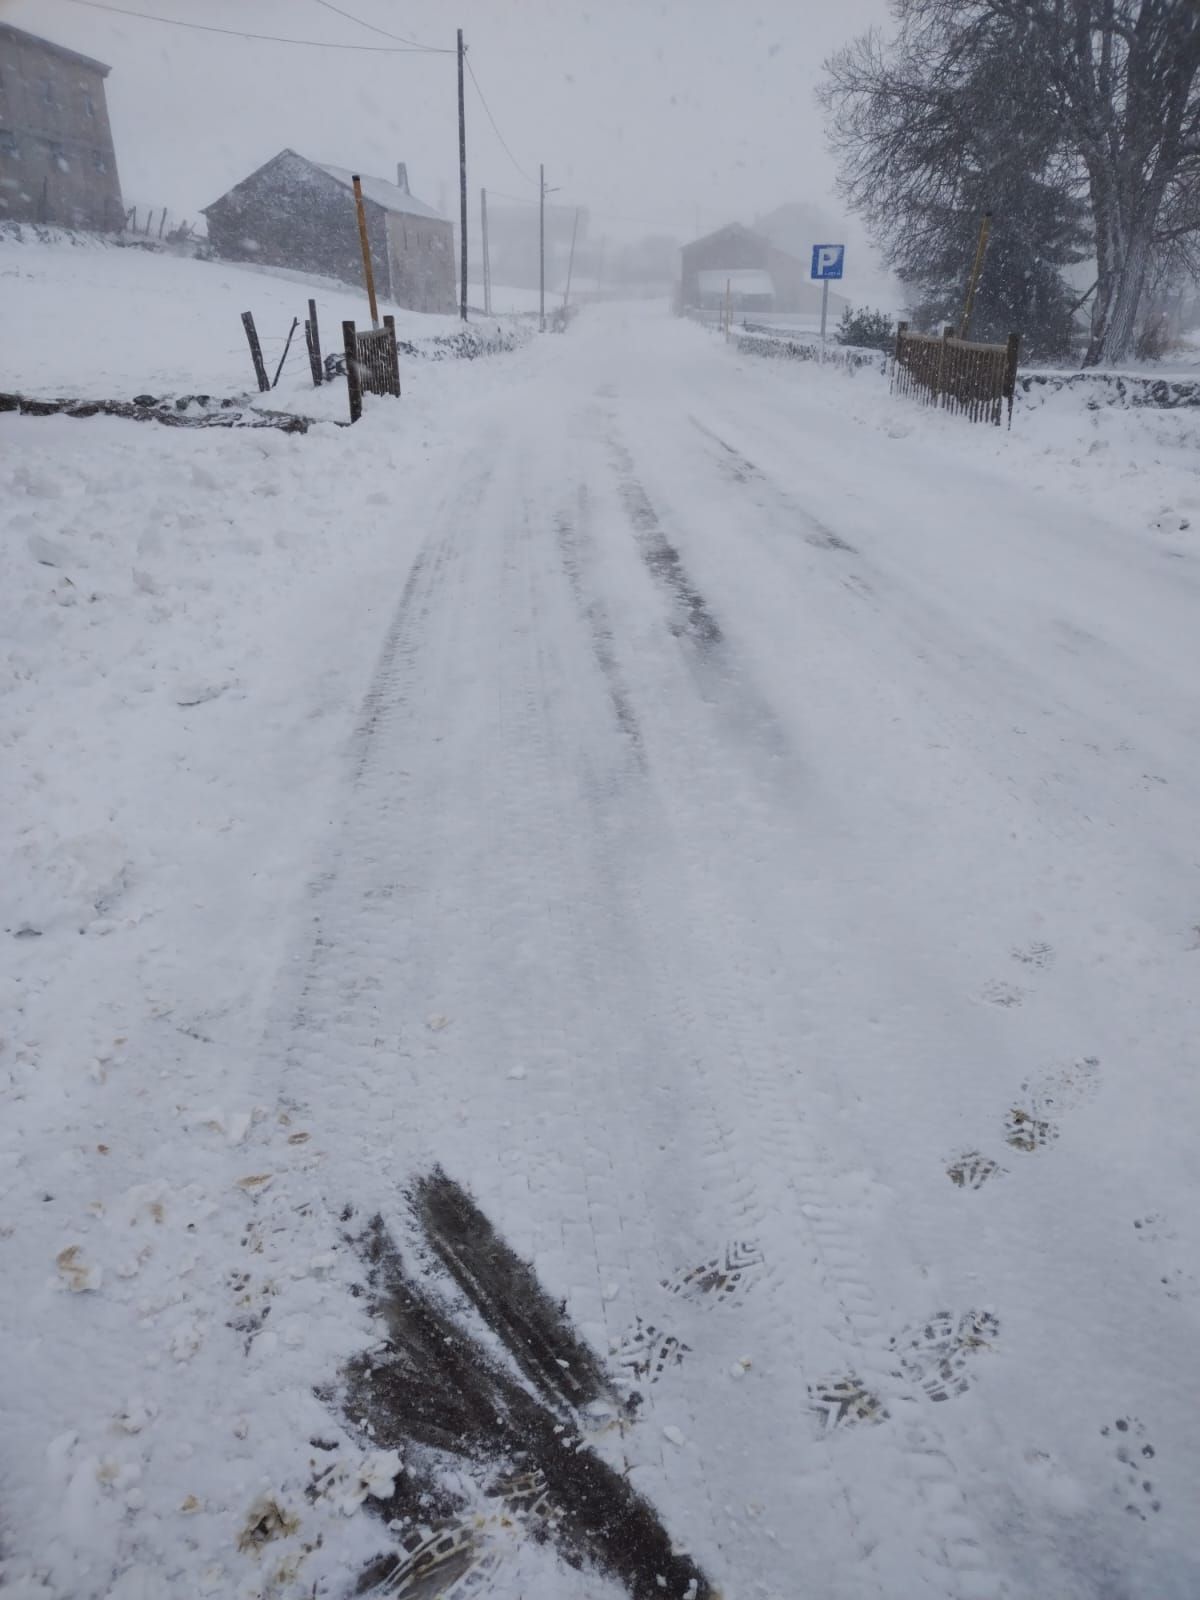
57	163
300	214
763	277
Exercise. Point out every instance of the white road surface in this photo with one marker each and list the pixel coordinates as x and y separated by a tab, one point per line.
766	845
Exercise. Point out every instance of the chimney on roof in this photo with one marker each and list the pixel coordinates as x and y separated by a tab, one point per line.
402	176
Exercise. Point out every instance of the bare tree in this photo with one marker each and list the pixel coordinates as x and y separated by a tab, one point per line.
1123	79
936	126
1096	96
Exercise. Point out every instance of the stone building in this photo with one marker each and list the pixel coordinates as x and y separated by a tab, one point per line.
57	163
300	214
761	276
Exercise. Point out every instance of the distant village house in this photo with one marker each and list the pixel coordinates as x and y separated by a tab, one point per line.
57	163
759	275
300	214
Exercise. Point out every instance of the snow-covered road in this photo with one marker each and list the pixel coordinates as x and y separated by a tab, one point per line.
762	873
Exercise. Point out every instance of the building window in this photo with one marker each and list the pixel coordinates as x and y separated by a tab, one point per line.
48	91
89	105
99	163
8	144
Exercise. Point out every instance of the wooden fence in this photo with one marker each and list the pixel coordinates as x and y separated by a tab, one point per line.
976	380
372	363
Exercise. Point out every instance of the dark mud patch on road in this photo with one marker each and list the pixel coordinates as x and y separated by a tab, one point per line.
743	470
506	1293
432	1390
692	619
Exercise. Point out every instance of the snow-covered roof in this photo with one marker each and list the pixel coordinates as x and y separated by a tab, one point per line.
388	195
741	280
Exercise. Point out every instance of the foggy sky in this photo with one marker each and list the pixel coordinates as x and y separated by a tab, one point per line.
672	116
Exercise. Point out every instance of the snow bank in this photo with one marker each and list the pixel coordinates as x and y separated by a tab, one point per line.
1140	465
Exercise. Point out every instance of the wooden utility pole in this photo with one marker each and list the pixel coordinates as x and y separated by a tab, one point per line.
487	263
364	241
571	258
977	268
542	244
462	182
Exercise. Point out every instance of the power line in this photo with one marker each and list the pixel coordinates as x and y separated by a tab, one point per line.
268	38
495	129
517	199
659	221
327	5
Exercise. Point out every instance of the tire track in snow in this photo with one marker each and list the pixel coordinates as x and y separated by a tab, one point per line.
726	1202
707	1043
1003	1430
571	1171
719	673
594	614
743	470
947	1545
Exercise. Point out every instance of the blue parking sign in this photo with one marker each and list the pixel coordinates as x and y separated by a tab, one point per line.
827	260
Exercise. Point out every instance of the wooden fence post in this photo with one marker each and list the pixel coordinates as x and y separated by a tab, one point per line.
353	380
1012	352
286	348
393	356
256	355
312	338
901	330
947	335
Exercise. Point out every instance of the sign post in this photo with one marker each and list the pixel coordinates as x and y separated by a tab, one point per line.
827	262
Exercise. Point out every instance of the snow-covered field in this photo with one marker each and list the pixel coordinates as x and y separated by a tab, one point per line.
740	827
96	320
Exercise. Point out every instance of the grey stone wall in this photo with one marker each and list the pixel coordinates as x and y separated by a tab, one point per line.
57	163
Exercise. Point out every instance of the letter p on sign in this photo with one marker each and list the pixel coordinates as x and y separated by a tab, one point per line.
827	260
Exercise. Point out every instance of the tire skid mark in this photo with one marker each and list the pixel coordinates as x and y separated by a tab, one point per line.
749	720
768	1135
743	470
692	1297
576	547
539	750
692	619
431	1386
